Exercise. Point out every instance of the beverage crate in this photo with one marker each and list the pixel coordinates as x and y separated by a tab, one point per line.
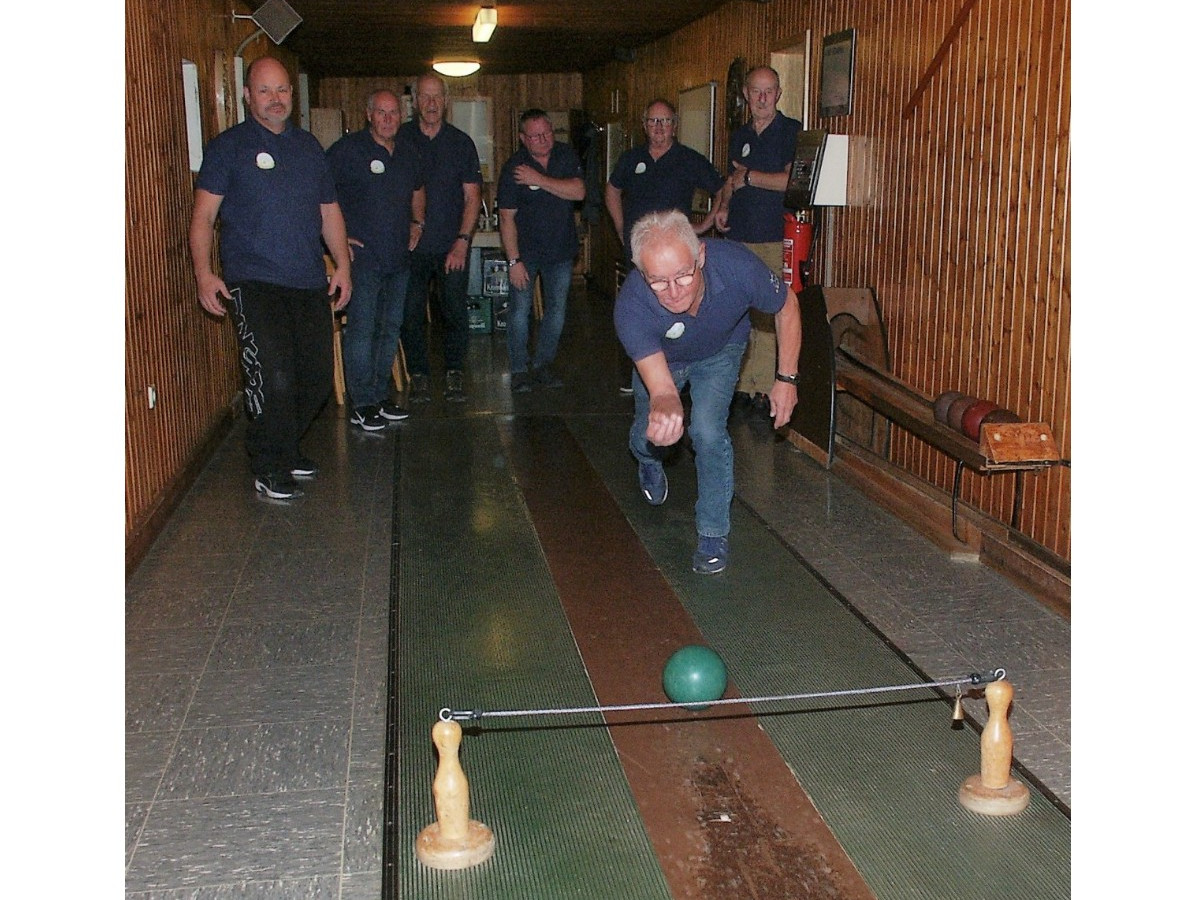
479	314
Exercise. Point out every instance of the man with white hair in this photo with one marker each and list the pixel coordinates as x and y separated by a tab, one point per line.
685	322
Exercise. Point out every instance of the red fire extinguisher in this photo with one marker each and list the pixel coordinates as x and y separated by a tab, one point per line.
797	246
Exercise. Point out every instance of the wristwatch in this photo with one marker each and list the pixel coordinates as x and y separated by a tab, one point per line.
746	178
512	262
787	379
464	237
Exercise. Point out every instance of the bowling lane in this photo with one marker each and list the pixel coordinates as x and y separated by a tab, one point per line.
725	814
479	625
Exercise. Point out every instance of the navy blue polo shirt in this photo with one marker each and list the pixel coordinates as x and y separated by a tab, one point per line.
375	189
756	214
669	182
272	187
735	281
546	231
449	161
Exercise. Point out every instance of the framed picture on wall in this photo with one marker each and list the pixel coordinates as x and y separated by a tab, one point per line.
837	74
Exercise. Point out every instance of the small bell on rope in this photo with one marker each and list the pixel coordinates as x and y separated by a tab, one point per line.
957	715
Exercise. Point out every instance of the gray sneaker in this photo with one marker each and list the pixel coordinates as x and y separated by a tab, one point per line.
711	556
418	390
454	386
521	383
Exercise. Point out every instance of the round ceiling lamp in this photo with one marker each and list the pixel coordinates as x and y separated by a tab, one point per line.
455	69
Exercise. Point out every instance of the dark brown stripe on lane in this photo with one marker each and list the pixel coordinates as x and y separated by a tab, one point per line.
723	811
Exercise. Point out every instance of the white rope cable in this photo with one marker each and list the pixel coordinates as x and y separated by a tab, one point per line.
446	714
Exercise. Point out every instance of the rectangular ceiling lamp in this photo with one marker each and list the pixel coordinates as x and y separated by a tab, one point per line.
485	24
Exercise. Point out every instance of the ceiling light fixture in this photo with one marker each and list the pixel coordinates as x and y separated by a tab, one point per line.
485	24
455	68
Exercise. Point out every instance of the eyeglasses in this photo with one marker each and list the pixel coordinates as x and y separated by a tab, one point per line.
540	135
659	120
661	284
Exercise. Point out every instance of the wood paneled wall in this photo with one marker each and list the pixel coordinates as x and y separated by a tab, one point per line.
171	344
964	233
963	229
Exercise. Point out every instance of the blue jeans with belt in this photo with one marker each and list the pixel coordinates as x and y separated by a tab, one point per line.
556	284
369	343
710	383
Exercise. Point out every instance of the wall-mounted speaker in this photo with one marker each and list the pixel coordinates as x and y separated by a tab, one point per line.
277	19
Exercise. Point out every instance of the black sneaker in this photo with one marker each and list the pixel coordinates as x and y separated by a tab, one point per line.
278	487
454	386
368	418
521	383
418	390
546	378
393	412
304	468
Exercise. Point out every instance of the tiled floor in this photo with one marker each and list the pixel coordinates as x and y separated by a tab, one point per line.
256	640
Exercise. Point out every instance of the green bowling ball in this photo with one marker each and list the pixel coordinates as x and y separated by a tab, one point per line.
694	675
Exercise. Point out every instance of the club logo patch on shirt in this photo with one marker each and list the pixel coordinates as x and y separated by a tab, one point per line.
675	330
535	187
746	149
264	160
377	166
639	169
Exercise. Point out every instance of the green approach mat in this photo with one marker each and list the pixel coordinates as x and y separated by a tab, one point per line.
883	770
480	626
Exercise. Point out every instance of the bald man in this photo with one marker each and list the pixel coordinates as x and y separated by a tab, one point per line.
269	184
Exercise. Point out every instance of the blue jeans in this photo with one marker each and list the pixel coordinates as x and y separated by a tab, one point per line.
456	324
710	382
556	284
373	322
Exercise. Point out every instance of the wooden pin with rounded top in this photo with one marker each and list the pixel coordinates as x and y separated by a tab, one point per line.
994	792
455	840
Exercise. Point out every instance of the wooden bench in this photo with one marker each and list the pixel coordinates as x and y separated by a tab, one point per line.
844	354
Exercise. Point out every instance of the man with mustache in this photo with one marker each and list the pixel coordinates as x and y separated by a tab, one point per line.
270	184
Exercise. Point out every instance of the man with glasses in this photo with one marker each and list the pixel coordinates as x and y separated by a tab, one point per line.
536	195
750	209
685	323
659	175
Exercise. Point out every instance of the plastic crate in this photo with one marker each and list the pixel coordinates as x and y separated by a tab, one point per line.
479	315
500	312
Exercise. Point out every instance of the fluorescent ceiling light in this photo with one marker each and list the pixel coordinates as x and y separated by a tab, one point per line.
485	24
456	69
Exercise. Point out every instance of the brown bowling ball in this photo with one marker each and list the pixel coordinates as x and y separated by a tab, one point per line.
941	406
1000	416
974	415
957	408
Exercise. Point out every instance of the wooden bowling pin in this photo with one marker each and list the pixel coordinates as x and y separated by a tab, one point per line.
455	840
994	792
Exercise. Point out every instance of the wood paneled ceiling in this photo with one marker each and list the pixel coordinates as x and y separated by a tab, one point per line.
364	38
